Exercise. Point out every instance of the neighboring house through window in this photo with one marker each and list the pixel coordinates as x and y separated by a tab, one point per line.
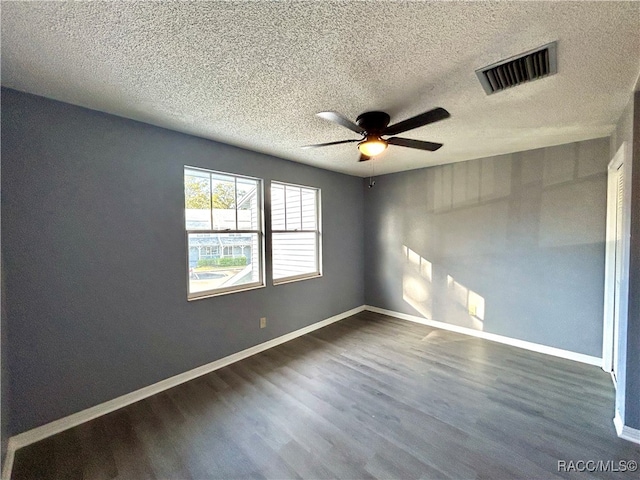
223	221
295	227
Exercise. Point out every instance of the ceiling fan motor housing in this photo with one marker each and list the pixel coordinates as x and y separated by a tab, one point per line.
373	122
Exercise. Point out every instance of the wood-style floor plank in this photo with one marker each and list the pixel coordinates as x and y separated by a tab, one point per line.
368	397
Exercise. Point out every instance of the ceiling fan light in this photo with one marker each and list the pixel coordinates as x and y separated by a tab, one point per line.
372	146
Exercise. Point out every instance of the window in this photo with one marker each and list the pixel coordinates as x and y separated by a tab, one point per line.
208	251
295	225
223	221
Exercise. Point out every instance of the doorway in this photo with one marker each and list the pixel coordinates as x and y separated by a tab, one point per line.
615	299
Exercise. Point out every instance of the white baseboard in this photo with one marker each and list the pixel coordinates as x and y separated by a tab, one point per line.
625	432
57	426
536	347
619	424
7	466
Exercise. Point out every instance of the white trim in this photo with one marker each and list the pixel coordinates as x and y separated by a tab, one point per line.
618	423
613	300
317	231
297	278
57	426
625	432
225	291
536	347
622	156
8	460
609	268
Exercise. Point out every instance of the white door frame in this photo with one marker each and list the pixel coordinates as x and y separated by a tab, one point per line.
619	300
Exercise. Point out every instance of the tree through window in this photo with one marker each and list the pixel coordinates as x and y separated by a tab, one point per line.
224	232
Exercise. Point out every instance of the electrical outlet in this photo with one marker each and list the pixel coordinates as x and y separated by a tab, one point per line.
263	322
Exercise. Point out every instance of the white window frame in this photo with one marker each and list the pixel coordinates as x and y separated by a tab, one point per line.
317	231
261	283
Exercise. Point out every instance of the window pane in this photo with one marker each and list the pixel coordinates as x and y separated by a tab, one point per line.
277	207
248	205
223	200
309	209
294	253
197	200
293	208
221	260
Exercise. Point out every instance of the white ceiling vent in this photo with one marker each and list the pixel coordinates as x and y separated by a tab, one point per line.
522	68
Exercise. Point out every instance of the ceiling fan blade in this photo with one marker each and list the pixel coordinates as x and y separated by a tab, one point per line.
364	158
340	119
419	144
329	143
425	118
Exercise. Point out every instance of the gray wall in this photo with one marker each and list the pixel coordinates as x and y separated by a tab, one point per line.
525	232
95	257
628	130
94	254
632	411
5	399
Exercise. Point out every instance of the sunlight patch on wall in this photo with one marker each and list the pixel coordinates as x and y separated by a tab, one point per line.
470	300
421	265
417	288
457	303
418	295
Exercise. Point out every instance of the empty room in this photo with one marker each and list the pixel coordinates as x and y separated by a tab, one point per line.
351	239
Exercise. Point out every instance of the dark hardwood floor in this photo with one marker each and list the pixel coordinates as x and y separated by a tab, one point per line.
368	397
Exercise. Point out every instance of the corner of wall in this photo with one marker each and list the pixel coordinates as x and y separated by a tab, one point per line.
4	371
632	386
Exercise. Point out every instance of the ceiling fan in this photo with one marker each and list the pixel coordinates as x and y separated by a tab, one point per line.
375	125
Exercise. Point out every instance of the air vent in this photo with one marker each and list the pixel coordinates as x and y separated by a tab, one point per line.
520	69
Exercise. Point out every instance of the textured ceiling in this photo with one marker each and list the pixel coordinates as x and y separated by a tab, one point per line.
254	74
